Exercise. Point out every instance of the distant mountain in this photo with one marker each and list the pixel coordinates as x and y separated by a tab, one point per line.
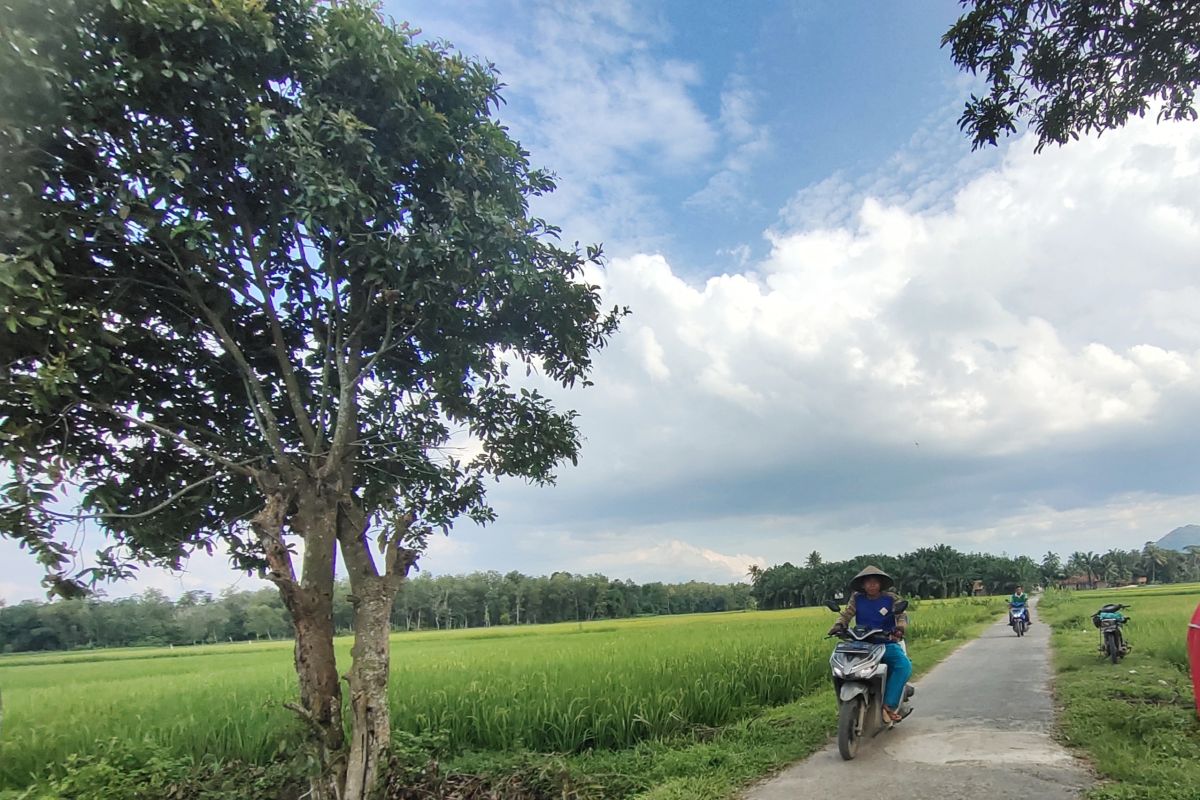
1181	538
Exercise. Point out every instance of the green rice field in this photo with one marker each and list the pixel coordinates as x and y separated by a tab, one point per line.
553	688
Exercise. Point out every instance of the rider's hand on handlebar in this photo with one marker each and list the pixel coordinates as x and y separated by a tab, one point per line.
898	634
836	629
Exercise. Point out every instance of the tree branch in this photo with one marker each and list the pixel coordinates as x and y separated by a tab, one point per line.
233	466
352	536
268	524
397	560
295	396
316	301
155	509
347	358
270	426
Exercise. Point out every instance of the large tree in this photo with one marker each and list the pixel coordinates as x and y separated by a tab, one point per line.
1074	67
261	261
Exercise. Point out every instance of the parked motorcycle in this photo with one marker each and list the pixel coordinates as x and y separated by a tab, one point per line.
1018	619
1110	620
859	678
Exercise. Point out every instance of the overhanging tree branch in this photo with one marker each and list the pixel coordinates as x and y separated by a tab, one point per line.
261	403
150	511
232	466
282	353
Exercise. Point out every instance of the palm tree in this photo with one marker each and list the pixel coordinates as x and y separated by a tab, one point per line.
1153	558
945	563
1094	566
921	576
903	574
1119	565
813	560
1088	563
1193	564
1051	567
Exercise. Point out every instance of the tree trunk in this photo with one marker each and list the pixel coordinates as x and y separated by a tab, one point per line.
373	593
320	694
309	600
368	679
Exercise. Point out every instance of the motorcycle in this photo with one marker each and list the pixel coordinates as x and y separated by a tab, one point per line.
1110	620
1018	619
859	678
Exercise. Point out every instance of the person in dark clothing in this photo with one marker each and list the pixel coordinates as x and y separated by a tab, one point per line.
870	606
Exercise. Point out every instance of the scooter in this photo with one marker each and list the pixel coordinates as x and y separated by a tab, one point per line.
1109	620
1018	619
859	678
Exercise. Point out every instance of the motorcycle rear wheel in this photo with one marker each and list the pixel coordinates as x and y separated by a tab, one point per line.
851	716
1113	647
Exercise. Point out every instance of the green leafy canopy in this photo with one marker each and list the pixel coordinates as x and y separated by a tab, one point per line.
253	244
1073	67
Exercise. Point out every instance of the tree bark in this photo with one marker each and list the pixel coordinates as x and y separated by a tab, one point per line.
320	693
328	518
368	679
373	593
311	513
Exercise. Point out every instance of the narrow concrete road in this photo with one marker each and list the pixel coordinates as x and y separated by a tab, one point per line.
980	729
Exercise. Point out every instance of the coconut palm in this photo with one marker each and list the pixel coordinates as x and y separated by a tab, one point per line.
1154	558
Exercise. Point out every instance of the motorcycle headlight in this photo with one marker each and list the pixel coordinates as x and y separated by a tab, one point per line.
838	664
854	667
865	669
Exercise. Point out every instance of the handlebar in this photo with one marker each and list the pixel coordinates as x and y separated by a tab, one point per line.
876	636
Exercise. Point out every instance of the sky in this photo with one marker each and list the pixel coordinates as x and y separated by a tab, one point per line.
849	332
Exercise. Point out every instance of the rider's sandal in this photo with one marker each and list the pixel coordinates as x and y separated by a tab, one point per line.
893	716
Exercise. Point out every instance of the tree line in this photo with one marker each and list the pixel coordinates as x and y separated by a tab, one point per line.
424	602
943	571
483	599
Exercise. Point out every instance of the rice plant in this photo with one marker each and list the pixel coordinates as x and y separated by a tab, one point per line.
552	688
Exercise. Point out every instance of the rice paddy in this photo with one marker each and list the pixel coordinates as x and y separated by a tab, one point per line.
554	688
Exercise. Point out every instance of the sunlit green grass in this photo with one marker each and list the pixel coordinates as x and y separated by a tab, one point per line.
1136	720
554	688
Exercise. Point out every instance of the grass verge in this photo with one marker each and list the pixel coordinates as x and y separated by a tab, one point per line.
1135	721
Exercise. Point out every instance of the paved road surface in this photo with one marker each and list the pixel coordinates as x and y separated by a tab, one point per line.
981	729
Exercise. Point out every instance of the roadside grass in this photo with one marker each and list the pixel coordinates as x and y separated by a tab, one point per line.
1136	720
669	707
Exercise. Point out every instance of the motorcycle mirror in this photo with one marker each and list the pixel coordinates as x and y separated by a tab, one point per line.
832	606
900	607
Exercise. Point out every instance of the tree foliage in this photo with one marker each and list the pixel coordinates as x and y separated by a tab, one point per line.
248	243
260	260
423	603
943	571
1074	67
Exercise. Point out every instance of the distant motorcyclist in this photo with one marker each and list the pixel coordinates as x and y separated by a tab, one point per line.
1020	600
870	606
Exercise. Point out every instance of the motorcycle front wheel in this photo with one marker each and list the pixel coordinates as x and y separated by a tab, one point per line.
851	716
1020	627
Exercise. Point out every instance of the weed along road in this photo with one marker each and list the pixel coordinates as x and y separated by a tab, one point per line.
981	728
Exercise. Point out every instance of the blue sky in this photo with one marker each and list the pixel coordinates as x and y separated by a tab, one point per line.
849	332
688	127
